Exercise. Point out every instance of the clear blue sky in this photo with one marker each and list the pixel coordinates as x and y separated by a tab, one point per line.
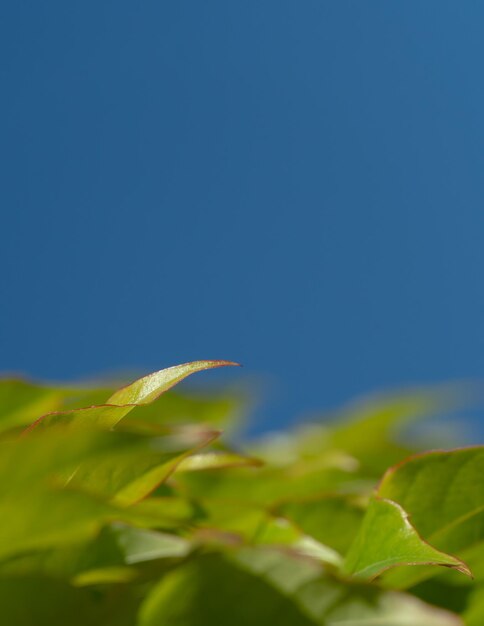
296	185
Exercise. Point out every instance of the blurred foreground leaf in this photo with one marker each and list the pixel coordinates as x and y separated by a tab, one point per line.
266	587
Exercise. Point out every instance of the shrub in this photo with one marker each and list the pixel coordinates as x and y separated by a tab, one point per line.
133	511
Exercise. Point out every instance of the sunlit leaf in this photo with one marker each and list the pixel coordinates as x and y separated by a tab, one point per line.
474	613
147	389
121	402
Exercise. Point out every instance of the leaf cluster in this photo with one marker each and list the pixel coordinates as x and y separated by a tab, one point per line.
126	508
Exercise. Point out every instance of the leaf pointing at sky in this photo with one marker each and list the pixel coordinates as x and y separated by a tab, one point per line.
141	392
148	388
126	477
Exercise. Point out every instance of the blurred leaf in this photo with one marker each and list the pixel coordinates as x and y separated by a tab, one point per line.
215	460
186	598
372	421
332	520
104	575
146	545
38	601
136	546
268	486
48	518
279	532
474	613
22	402
219	410
265	586
36	511
116	548
164	512
130	476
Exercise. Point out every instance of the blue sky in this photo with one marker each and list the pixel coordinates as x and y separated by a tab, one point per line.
294	185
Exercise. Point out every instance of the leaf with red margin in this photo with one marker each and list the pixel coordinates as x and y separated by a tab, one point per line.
387	539
148	388
141	392
443	492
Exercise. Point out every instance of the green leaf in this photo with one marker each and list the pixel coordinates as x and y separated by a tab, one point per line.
134	547
332	602
370	429
121	402
220	409
164	512
332	520
21	402
375	419
387	539
39	601
117	548
186	598
474	613
105	575
143	481
36	508
43	519
139	546
216	460
129	476
443	492
255	586
270	485
149	388
277	531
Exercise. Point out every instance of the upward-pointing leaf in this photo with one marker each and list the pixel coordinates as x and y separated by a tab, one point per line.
141	392
148	388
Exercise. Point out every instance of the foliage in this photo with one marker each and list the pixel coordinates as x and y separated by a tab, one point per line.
125	508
